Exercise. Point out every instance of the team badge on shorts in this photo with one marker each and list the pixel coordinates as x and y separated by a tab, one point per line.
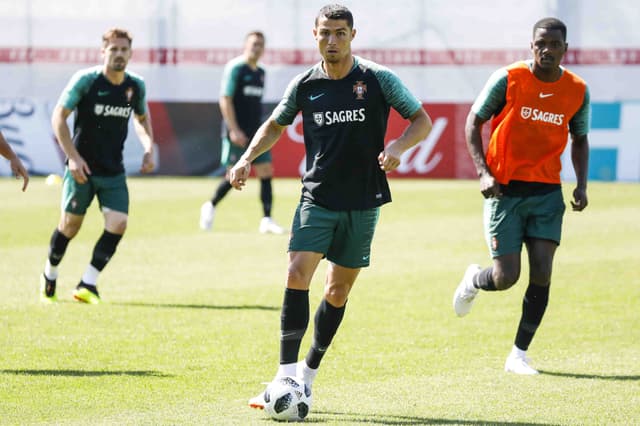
494	243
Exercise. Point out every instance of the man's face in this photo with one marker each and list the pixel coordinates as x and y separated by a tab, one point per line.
254	47
548	48
116	54
334	39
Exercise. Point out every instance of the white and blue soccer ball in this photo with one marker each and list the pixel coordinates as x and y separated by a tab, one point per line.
287	398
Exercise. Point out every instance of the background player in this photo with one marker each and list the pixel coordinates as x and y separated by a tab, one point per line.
103	97
241	106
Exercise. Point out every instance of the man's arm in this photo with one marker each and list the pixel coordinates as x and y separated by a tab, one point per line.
266	136
418	129
142	126
489	187
237	136
14	162
77	166
580	160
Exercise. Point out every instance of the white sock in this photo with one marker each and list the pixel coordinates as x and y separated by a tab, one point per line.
90	275
306	373
50	271
518	353
286	370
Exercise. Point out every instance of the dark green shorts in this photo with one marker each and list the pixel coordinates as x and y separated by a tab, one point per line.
112	192
343	237
231	153
508	221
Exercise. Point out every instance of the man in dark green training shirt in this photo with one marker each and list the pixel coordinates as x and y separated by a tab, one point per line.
103	98
241	92
345	102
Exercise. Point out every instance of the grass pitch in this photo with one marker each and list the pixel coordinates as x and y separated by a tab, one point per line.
190	323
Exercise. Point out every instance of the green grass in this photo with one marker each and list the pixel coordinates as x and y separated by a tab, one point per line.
190	323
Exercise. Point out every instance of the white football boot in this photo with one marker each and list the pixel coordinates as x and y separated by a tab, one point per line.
466	292
207	213
269	226
518	363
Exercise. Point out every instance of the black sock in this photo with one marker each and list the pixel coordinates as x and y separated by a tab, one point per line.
294	320
221	191
484	280
266	196
57	247
327	321
533	306
104	249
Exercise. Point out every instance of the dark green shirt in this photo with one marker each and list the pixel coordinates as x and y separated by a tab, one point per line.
344	125
102	112
245	87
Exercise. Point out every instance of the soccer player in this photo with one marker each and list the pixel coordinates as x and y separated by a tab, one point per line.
103	98
241	106
533	105
345	102
17	168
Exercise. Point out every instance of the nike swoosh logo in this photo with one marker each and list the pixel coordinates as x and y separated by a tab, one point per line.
103	92
545	95
313	98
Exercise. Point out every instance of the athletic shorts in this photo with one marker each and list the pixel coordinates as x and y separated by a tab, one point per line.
112	192
508	221
343	237
231	153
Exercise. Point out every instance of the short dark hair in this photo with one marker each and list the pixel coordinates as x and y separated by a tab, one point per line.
112	33
551	24
256	33
335	11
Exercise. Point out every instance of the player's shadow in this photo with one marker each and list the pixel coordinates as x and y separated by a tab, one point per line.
393	419
86	373
198	306
590	376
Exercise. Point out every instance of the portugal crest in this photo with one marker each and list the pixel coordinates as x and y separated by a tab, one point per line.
359	89
525	112
98	109
318	117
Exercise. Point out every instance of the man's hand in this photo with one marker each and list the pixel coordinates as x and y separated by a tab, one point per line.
19	171
148	165
579	199
238	138
79	169
239	174
489	187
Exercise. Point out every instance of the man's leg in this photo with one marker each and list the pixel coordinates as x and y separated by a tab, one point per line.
264	171
534	303
294	317
103	251
503	274
328	317
67	228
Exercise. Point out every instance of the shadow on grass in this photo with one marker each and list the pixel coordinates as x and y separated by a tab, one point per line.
86	373
194	306
392	419
590	376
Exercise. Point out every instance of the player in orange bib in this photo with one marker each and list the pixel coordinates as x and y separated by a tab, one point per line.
533	106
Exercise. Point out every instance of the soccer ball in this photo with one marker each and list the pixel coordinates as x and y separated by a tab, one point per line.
287	398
